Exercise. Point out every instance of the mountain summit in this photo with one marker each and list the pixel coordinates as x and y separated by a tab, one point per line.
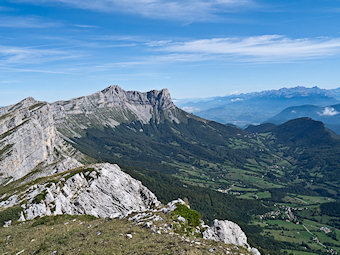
35	135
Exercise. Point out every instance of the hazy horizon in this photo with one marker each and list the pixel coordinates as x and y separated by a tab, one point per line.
173	98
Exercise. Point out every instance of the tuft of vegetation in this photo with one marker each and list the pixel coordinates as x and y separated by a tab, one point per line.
4	116
11	131
11	213
40	197
192	220
190	215
5	149
38	105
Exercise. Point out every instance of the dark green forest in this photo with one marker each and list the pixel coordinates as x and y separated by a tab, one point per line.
194	158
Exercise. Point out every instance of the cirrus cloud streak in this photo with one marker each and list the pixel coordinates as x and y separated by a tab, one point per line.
25	22
184	10
13	55
259	48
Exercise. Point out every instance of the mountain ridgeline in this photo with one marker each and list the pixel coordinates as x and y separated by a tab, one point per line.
36	135
329	115
222	170
258	107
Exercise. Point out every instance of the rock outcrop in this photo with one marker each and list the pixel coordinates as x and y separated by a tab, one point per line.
100	190
228	232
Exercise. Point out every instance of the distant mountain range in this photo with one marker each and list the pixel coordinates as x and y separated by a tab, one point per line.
330	115
259	107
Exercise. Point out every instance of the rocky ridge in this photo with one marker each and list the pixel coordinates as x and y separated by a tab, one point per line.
111	107
35	136
100	190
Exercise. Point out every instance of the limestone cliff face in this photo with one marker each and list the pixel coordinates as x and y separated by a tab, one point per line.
100	190
34	136
29	141
111	107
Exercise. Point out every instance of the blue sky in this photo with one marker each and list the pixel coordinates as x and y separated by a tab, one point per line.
59	49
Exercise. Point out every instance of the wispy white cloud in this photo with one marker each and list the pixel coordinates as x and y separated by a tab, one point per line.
186	10
125	38
84	56
32	70
236	99
151	60
25	22
24	55
85	26
258	48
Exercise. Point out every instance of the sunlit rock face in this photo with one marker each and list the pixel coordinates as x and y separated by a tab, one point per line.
35	136
29	141
100	190
229	233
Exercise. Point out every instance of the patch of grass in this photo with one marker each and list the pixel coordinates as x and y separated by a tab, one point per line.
38	105
9	132
59	219
78	235
4	116
263	195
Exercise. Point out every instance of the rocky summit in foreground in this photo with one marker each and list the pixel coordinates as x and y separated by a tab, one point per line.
100	190
104	191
